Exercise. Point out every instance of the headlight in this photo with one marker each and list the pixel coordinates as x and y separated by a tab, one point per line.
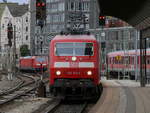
58	73
74	58
89	73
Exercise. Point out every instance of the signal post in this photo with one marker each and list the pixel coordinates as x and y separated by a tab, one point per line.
10	37
41	21
11	51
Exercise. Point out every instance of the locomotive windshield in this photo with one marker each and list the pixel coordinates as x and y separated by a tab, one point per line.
40	59
74	49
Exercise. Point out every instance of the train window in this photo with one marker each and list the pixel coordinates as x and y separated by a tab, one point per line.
64	51
109	61
121	61
40	59
138	59
64	45
74	49
132	60
148	61
113	60
84	49
126	60
129	60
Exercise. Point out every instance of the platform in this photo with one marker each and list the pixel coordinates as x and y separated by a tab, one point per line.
123	96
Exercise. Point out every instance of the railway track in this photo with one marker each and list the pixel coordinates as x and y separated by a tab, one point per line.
28	84
57	106
70	108
3	71
7	91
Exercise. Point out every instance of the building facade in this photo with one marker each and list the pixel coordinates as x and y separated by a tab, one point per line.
58	12
116	39
19	16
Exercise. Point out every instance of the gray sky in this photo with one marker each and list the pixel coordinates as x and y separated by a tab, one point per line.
19	1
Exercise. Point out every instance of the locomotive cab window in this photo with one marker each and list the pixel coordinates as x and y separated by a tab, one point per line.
40	59
83	49
64	49
74	49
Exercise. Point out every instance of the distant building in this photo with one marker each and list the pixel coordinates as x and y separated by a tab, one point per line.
58	12
19	16
116	39
2	7
115	22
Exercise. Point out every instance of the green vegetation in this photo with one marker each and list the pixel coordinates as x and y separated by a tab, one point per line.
24	50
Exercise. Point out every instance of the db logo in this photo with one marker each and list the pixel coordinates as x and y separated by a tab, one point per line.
74	64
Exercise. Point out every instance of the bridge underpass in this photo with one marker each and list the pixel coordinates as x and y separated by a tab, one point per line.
137	14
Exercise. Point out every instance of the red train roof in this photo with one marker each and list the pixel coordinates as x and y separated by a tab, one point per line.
127	53
27	57
74	37
31	57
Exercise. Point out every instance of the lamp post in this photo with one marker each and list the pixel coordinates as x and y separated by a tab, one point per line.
136	55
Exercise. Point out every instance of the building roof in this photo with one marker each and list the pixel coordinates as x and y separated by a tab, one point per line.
2	5
17	10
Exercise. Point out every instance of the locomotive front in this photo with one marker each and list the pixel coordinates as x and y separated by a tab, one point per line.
74	66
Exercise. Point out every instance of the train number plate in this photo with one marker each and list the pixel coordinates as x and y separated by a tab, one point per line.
74	64
73	73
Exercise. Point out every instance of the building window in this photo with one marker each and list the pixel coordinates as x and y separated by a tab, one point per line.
56	18
72	5
26	29
80	6
54	7
26	19
116	33
86	6
3	26
61	7
27	37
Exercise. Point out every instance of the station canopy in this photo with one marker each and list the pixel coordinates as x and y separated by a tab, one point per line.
134	12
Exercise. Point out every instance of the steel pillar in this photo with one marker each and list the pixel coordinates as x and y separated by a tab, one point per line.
142	60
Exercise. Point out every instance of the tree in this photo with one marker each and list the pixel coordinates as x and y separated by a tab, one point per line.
24	50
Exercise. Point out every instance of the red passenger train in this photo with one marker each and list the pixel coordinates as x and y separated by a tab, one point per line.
74	66
33	63
125	63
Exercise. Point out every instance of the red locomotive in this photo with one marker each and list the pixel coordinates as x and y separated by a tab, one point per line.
125	63
33	63
74	66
